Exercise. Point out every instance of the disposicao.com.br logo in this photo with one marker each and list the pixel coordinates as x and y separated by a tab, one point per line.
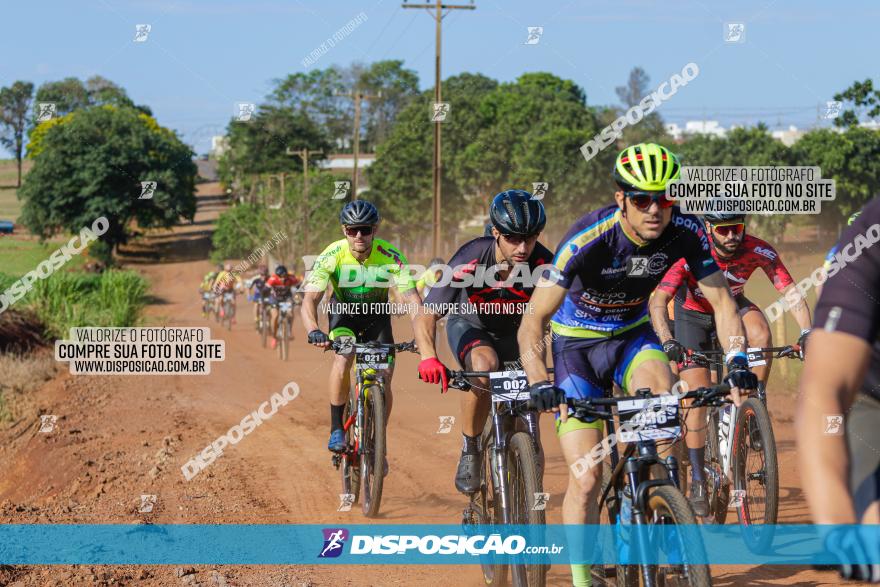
450	544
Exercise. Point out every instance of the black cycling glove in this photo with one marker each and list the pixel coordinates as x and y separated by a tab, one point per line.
738	374
802	342
317	337
545	396
675	350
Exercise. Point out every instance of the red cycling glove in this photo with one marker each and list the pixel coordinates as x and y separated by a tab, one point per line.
433	371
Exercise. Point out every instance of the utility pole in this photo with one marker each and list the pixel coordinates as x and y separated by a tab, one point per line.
438	15
304	153
357	96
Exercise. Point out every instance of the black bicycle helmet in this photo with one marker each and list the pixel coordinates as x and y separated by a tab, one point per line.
516	212
281	271
359	212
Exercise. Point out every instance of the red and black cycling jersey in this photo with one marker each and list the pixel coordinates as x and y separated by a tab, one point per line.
753	253
850	300
281	286
498	309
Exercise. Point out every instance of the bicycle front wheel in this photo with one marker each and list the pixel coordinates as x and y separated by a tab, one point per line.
373	452
489	503
667	506
351	477
525	492
755	474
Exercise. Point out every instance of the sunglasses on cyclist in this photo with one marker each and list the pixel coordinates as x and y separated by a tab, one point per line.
643	200
354	230
728	229
516	239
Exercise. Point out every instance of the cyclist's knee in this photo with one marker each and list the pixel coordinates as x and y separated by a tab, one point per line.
482	358
584	485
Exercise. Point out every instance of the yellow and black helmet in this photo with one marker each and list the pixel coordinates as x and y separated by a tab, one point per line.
646	167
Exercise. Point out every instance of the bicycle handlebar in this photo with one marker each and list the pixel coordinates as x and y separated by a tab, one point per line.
341	345
591	406
459	379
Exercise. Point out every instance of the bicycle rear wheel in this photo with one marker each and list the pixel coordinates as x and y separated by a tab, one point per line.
755	474
373	453
667	506
523	485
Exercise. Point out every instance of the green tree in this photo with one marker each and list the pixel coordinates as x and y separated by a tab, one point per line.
742	147
91	163
852	159
15	102
260	144
863	98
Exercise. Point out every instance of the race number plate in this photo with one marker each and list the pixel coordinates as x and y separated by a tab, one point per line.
756	357
372	358
285	306
654	418
508	386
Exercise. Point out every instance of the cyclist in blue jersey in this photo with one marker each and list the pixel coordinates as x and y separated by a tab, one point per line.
605	269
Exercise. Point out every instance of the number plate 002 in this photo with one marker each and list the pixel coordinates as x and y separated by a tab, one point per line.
509	386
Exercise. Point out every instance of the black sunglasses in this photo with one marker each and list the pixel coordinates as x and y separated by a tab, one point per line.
366	230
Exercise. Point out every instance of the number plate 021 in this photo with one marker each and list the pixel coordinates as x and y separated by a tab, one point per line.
508	386
644	418
373	359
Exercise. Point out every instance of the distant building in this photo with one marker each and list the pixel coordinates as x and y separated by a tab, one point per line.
219	145
704	127
343	164
788	137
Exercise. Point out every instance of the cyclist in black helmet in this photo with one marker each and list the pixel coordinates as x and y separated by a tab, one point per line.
363	262
483	340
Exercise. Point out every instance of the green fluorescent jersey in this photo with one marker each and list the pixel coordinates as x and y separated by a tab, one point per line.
353	281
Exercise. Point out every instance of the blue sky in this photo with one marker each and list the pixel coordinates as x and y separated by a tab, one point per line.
201	57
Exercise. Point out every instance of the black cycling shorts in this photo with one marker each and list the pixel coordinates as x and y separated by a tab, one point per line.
367	328
463	336
696	330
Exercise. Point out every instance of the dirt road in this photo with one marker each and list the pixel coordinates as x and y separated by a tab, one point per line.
118	438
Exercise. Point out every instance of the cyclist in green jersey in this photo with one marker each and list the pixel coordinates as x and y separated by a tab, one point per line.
360	268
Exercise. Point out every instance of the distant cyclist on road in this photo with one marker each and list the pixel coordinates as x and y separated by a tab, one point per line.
256	285
226	281
484	340
359	258
281	286
606	266
838	416
738	255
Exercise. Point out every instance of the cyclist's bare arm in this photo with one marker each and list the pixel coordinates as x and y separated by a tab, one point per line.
531	338
731	332
657	308
309	310
832	375
425	328
412	299
800	310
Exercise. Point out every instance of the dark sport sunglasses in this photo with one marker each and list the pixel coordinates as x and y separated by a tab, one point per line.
643	200
516	239
727	229
354	230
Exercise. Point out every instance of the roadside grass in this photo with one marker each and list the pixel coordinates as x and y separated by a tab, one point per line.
66	300
10	206
18	255
22	374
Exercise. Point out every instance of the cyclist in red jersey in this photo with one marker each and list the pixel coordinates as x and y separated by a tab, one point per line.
281	285
738	255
